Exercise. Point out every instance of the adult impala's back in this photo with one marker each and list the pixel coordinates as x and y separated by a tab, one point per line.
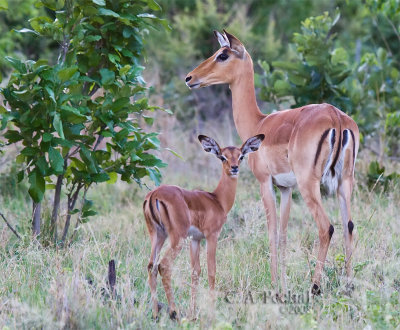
302	146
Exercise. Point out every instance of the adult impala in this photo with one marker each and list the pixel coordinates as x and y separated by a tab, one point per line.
302	146
173	212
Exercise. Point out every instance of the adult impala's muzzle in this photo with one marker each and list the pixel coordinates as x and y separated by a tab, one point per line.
190	83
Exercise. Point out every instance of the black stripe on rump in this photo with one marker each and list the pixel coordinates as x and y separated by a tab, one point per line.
345	137
153	215
321	140
354	145
337	154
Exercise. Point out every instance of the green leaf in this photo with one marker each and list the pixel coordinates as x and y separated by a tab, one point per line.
47	137
100	177
3	5
56	161
66	73
99	2
149	120
37	186
153	5
174	153
57	123
154	175
113	177
51	94
20	159
42	165
108	12
89	213
107	76
29	151
16	64
24	30
88	160
20	176
124	70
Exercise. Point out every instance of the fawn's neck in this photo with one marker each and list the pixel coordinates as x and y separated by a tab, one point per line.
246	113
226	191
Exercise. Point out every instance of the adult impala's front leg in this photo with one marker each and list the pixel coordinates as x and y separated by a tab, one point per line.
268	197
286	199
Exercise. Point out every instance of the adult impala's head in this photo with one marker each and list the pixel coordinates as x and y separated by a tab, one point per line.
231	157
224	66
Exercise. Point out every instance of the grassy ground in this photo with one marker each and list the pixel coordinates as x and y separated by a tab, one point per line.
49	288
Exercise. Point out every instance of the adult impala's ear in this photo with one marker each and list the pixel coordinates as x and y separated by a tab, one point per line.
235	44
252	144
210	145
223	41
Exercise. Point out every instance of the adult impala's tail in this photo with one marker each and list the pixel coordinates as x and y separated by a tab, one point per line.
333	169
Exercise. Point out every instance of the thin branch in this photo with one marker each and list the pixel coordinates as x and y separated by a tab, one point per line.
9	226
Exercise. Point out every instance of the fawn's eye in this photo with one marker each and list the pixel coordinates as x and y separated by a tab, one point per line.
222	57
223	158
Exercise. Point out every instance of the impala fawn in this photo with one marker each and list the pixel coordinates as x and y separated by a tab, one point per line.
174	212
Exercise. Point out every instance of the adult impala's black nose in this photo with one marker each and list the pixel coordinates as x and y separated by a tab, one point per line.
235	168
188	78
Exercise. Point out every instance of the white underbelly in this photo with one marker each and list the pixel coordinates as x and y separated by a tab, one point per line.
195	233
287	180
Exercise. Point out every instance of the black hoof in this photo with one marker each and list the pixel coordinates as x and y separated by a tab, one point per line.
173	315
316	290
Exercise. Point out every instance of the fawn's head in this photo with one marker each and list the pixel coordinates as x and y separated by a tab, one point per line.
222	67
231	157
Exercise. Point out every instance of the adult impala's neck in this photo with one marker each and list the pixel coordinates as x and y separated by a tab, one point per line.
246	113
226	191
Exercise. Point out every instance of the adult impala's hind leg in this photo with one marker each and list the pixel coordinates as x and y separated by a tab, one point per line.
344	194
286	199
310	191
165	269
157	241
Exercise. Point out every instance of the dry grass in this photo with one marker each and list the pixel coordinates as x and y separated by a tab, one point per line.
48	288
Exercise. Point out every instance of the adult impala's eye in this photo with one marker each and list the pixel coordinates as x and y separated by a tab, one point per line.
241	157
222	57
223	158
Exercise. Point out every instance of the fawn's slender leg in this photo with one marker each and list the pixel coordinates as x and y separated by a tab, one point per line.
157	241
165	269
211	263
195	262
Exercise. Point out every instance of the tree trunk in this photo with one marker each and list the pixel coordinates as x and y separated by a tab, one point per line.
56	206
36	219
71	205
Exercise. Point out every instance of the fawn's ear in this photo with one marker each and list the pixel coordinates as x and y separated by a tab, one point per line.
252	144
222	39
210	145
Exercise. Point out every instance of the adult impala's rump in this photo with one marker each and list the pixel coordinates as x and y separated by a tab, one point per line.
302	146
173	212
